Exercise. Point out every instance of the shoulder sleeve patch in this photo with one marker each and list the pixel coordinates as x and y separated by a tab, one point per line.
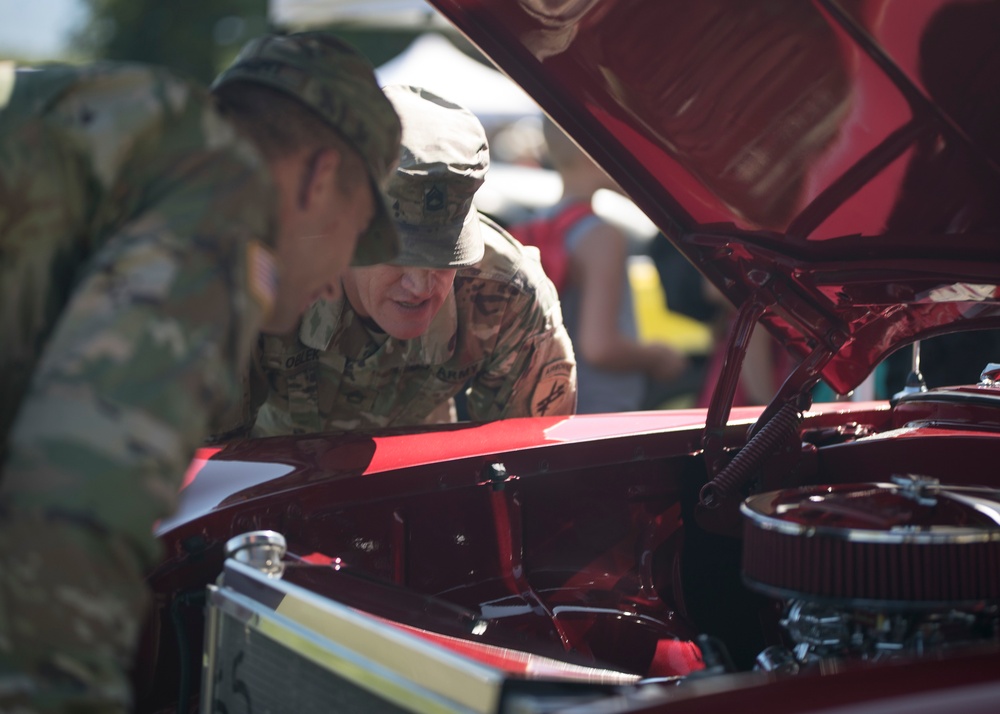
554	393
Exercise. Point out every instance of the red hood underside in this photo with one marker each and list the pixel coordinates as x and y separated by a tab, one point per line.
836	162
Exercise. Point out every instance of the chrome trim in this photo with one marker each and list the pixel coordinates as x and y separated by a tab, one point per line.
909	534
262	550
393	664
210	653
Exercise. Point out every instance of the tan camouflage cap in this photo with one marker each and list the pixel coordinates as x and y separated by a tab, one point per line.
338	82
444	160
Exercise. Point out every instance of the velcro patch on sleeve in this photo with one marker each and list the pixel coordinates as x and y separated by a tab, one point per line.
262	276
553	391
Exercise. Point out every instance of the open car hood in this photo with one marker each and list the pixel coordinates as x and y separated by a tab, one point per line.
831	166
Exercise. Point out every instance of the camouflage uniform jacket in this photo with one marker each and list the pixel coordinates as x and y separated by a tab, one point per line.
500	331
128	208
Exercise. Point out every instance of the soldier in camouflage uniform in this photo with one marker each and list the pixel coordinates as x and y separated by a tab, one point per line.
464	305
148	229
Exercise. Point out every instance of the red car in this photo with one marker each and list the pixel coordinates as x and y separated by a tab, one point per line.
833	167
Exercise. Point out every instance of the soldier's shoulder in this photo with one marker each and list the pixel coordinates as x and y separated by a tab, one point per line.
506	260
109	109
41	89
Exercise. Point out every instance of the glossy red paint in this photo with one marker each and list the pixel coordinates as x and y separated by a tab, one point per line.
586	552
512	549
820	158
247	470
586	526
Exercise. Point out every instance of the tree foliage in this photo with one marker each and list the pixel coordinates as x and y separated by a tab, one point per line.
195	38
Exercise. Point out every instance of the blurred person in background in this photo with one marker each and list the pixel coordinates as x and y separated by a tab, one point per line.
586	258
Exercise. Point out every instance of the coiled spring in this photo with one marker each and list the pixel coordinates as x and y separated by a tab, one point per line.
738	472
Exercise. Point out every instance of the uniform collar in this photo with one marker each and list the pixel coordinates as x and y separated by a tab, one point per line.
438	343
320	321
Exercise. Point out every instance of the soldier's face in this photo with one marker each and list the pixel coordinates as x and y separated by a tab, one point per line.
401	300
320	229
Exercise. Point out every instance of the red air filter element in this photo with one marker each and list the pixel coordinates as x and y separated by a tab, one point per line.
913	543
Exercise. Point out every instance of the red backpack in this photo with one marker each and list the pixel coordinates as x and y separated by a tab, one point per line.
549	236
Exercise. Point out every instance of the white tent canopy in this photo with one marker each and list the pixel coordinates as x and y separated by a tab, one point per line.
431	61
434	63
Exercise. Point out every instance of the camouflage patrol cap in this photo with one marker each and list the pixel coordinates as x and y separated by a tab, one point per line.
444	160
336	81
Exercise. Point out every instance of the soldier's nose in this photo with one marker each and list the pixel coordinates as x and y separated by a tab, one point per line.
418	282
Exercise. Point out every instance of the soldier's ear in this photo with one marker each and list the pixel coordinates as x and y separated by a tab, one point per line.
319	176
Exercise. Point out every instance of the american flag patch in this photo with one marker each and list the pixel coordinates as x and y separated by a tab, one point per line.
262	276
